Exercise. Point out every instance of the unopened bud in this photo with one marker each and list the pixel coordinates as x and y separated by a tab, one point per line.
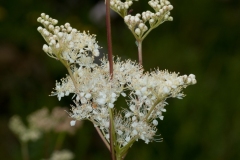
138	31
45	48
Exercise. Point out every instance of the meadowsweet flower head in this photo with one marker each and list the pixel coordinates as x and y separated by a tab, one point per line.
67	44
24	133
142	23
121	7
95	90
57	120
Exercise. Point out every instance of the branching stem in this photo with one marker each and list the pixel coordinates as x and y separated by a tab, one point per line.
110	60
139	45
102	137
152	108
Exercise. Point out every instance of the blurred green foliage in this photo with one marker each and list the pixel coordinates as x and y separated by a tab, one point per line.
203	39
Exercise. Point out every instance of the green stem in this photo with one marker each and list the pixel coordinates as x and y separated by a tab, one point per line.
151	28
143	37
24	150
70	74
118	157
151	109
121	153
111	134
60	139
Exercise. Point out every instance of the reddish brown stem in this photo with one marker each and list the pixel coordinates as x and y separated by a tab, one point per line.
109	39
139	43
110	59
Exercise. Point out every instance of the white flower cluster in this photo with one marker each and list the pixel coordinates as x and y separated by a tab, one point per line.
55	121
148	92
95	92
40	122
137	23
66	43
24	133
121	7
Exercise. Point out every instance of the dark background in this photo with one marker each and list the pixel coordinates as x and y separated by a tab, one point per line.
203	39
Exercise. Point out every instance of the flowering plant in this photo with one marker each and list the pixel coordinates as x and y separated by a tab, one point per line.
40	124
96	88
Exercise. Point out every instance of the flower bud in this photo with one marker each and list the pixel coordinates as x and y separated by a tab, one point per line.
45	48
138	31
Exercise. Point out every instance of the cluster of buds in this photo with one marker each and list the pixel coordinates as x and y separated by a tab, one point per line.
41	121
121	7
95	92
65	43
23	132
56	121
137	24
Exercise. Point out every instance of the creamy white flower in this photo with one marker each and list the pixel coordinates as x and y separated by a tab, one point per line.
121	7
137	24
91	84
155	122
24	133
66	43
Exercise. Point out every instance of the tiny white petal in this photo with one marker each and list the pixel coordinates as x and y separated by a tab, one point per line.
132	108
127	139
155	122
110	105
81	94
134	118
119	132
107	136
138	92
114	95
77	98
72	123
88	95
134	132
134	124
128	114
123	94
166	90
146	141
163	110
144	89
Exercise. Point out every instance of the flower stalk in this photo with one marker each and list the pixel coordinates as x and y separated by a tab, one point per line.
110	60
103	139
109	38
139	45
24	149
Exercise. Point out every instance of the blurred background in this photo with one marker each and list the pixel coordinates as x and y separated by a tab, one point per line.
203	39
